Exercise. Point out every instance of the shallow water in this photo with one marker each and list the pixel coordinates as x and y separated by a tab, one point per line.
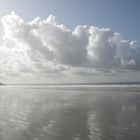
69	113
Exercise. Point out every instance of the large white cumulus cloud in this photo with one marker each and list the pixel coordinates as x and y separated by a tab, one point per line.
46	47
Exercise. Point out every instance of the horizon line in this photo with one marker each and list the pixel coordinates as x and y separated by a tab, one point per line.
78	83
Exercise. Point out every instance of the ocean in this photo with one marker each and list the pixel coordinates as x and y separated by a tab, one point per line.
70	112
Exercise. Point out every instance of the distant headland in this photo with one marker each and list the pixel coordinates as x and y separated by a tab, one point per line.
1	84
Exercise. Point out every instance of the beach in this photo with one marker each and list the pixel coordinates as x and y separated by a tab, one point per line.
68	112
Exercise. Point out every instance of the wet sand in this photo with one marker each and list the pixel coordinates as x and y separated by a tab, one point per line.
69	113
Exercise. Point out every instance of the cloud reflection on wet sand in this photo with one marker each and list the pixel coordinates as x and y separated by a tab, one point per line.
27	114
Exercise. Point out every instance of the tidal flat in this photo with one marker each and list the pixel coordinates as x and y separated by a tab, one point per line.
42	112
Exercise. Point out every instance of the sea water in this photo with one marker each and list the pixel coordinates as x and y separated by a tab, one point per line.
43	112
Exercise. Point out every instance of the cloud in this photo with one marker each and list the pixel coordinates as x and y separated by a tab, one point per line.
46	47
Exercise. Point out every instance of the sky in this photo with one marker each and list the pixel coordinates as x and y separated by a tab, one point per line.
69	41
